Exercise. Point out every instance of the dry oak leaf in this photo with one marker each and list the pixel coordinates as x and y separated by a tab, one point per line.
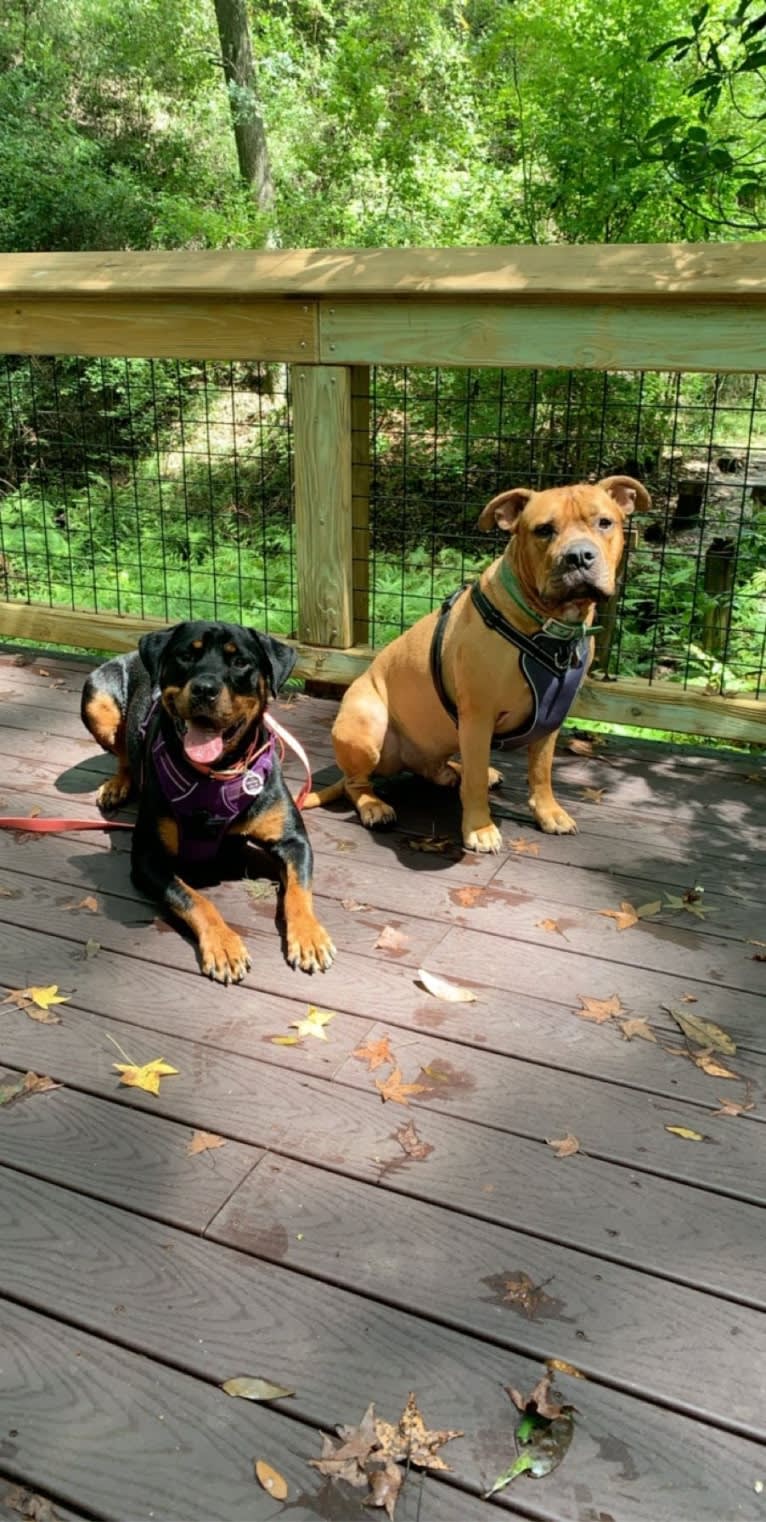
630	1029
249	1387
592	794
411	1143
624	917
441	988
375	1053
685	1132
704	1032
204	1141
520	1290
391	939
271	1480
411	1440
146	1077
541	1401
733	1107
524	847
346	1461
90	903
314	1022
599	1010
563	1146
30	1083
394	1090
385	1484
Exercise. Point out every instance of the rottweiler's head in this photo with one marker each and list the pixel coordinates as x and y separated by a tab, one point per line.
215	680
567	541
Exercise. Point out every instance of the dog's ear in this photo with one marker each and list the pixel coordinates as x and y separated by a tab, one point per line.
279	659
630	495
151	648
504	510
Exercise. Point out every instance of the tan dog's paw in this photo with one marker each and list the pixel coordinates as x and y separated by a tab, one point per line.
375	814
555	820
223	955
487	839
309	946
113	792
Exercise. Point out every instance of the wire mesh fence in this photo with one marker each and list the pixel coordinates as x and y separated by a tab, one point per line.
164	489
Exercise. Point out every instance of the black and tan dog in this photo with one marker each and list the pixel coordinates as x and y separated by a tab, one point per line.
184	716
502	660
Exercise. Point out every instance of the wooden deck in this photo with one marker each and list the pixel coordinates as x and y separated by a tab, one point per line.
311	1249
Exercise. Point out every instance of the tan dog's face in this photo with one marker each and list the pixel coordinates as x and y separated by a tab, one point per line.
569	539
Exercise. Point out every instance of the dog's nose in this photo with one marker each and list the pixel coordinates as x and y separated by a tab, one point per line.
205	689
580	556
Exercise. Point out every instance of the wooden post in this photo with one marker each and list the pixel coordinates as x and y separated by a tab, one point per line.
323	492
718	584
360	499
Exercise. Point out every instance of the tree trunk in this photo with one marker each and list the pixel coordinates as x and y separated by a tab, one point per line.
249	131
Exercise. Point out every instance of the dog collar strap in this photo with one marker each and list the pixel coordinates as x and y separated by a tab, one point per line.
294	745
555	626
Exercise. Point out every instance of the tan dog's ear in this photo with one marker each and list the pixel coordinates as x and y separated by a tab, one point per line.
627	493
505	509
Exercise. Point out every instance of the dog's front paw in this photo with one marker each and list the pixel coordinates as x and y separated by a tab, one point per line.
487	838
223	955
113	792
309	947
375	814
554	820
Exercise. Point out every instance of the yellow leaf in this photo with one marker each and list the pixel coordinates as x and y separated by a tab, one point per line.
285	1040
204	1141
271	1480
41	997
560	1366
146	1077
90	903
709	1064
685	1133
623	917
314	1022
441	988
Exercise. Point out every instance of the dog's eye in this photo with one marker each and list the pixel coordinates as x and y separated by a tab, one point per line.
605	523
544	531
240	662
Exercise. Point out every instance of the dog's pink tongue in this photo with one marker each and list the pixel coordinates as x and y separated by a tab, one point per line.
202	746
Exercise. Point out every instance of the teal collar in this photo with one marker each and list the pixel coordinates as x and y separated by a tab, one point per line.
553	626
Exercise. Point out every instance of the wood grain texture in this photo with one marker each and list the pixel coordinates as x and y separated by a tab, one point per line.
661	270
361	467
323	504
567	333
151	327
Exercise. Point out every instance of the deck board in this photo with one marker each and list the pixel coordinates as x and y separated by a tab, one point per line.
310	1247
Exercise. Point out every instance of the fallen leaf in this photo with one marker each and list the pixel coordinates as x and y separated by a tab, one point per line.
90	903
352	905
592	794
560	1366
689	999
435	844
441	988
91	949
42	998
385	1485
733	1107
758	777
411	1143
248	1387
709	1064
34	813
30	1083
685	1133
524	847
391	939
552	926
395	1091
410	1439
704	1032
346	1461
343	846
564	1146
27	1504
688	901
631	1029
285	1040
521	1291
204	1141
375	1053
542	1446
271	1480
146	1077
599	1010
646	911
260	888
9	892
469	897
623	917
580	747
314	1022
541	1401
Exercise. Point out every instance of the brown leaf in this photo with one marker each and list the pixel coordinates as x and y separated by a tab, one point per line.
710	1064
520	1290
6	892
524	847
623	917
552	926
592	794
637	1028
411	1440
685	1132
375	1053
411	1143
204	1141
689	999
733	1107
435	844
395	1090
469	897
442	988
30	1083
35	1508
391	939
385	1485
541	1401
599	1010
560	1366
352	905
90	903
704	1032
271	1480
580	747
346	1460
564	1146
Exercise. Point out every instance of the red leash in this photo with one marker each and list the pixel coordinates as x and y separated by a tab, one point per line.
60	826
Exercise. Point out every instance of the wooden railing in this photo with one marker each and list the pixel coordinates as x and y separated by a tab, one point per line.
330	314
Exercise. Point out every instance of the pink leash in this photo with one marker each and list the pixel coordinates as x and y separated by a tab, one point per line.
60	826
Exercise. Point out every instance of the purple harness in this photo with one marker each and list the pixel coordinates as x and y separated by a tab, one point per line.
553	668
204	806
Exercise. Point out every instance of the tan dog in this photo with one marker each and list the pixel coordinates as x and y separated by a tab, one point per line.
564	550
